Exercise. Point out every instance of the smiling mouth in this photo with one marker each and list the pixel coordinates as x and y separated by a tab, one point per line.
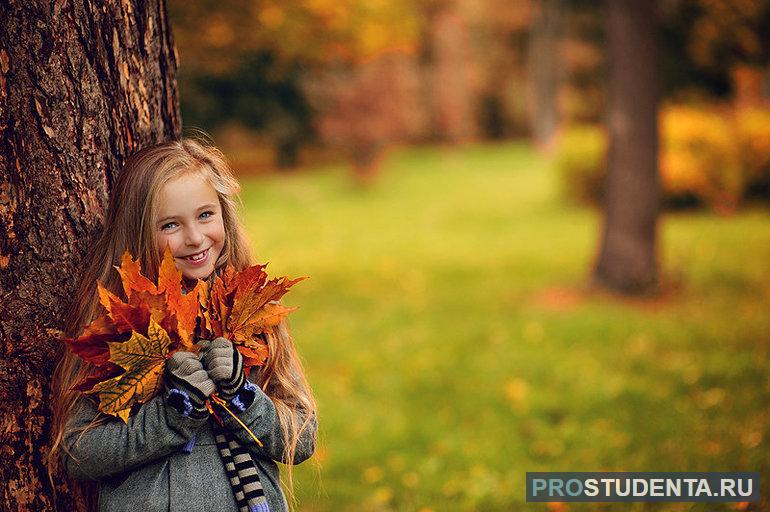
197	256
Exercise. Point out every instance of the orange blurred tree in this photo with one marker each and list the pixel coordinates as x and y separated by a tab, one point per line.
216	36
730	32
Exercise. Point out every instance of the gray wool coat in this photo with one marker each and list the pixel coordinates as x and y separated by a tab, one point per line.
140	465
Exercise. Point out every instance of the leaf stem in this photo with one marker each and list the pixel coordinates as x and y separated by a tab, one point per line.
222	403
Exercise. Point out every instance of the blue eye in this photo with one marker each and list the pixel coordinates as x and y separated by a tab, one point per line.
207	212
164	226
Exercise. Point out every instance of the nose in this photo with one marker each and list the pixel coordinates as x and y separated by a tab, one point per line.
193	237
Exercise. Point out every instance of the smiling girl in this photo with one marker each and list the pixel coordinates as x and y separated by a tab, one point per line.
172	455
191	224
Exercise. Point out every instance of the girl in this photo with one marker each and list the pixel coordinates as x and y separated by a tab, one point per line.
172	455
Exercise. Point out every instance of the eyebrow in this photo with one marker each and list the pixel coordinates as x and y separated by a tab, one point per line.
203	207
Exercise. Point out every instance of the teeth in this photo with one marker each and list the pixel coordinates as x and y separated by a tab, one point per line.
196	257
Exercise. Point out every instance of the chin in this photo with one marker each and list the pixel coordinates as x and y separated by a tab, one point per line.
201	274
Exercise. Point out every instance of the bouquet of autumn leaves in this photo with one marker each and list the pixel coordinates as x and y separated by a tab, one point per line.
130	344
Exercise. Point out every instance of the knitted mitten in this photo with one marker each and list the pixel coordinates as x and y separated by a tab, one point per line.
188	384
224	364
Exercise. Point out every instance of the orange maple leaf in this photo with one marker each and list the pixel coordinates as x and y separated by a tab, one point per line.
243	306
131	275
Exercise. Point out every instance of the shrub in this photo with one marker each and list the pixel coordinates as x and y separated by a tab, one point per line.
699	157
581	161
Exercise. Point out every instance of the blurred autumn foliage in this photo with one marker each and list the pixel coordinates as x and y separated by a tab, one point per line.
262	64
353	75
358	76
717	156
367	108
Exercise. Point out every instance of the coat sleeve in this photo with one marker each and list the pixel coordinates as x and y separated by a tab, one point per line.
100	451
262	419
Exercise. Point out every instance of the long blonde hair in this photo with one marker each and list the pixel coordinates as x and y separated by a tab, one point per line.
130	225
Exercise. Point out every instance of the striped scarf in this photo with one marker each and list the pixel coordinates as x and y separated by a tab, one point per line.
242	472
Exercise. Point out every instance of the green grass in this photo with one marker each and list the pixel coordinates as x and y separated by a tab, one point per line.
452	348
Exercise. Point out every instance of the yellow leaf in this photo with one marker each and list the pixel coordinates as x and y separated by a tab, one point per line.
144	359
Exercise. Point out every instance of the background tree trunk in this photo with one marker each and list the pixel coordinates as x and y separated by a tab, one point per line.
82	85
450	74
627	259
545	70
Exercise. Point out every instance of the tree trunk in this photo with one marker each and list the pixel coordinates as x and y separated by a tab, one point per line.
82	85
450	75
545	71
627	259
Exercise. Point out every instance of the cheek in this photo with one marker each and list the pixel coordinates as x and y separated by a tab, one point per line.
163	240
219	234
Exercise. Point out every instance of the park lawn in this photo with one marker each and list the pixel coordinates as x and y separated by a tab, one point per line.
453	345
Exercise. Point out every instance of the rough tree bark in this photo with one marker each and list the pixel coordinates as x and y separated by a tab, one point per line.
627	260
82	85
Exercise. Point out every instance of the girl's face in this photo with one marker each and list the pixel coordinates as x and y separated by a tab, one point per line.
191	224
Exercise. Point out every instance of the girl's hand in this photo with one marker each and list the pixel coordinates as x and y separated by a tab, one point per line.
224	364
186	378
